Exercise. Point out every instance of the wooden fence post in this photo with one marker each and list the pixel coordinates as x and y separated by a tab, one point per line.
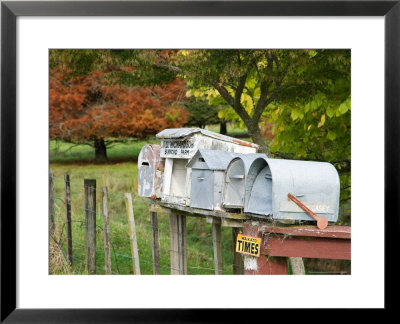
297	265
173	236
177	227
90	224
182	244
106	229
155	243
52	223
68	211
217	245
238	262
132	232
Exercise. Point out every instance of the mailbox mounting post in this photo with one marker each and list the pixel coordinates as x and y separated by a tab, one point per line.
177	226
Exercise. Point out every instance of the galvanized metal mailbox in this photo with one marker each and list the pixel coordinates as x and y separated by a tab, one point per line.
208	174
178	146
150	171
235	178
315	184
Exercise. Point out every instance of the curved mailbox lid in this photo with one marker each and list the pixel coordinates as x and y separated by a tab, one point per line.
235	179
248	159
260	199
150	168
255	168
316	184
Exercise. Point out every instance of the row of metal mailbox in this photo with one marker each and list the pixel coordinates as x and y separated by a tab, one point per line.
249	182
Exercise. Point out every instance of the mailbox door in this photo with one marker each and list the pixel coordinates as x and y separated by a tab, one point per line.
234	185
315	184
202	189
146	170
178	178
260	201
146	181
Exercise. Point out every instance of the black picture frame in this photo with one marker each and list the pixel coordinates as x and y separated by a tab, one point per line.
9	13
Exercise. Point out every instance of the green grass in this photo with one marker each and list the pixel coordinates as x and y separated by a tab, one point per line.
61	152
120	178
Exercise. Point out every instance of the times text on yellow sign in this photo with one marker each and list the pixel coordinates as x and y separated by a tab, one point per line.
248	245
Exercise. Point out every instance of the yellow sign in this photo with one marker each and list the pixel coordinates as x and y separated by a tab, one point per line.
248	245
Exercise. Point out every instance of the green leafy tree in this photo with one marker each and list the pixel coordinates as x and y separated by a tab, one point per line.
317	125
201	113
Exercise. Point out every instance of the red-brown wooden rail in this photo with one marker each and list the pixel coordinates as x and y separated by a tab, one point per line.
280	242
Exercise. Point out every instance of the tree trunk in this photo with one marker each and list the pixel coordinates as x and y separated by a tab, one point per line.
222	128
256	136
100	150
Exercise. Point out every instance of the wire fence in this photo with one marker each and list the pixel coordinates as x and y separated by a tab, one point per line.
198	246
199	241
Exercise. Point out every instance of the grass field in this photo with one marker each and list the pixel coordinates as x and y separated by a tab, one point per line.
121	177
66	153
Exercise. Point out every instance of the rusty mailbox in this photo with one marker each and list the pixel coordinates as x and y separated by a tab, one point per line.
235	179
208	174
150	171
178	146
315	184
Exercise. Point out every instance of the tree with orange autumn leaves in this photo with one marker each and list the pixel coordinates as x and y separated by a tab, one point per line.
92	110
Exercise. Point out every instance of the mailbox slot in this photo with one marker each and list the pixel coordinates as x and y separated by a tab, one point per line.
315	184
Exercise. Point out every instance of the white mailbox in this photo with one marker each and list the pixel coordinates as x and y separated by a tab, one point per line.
178	146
